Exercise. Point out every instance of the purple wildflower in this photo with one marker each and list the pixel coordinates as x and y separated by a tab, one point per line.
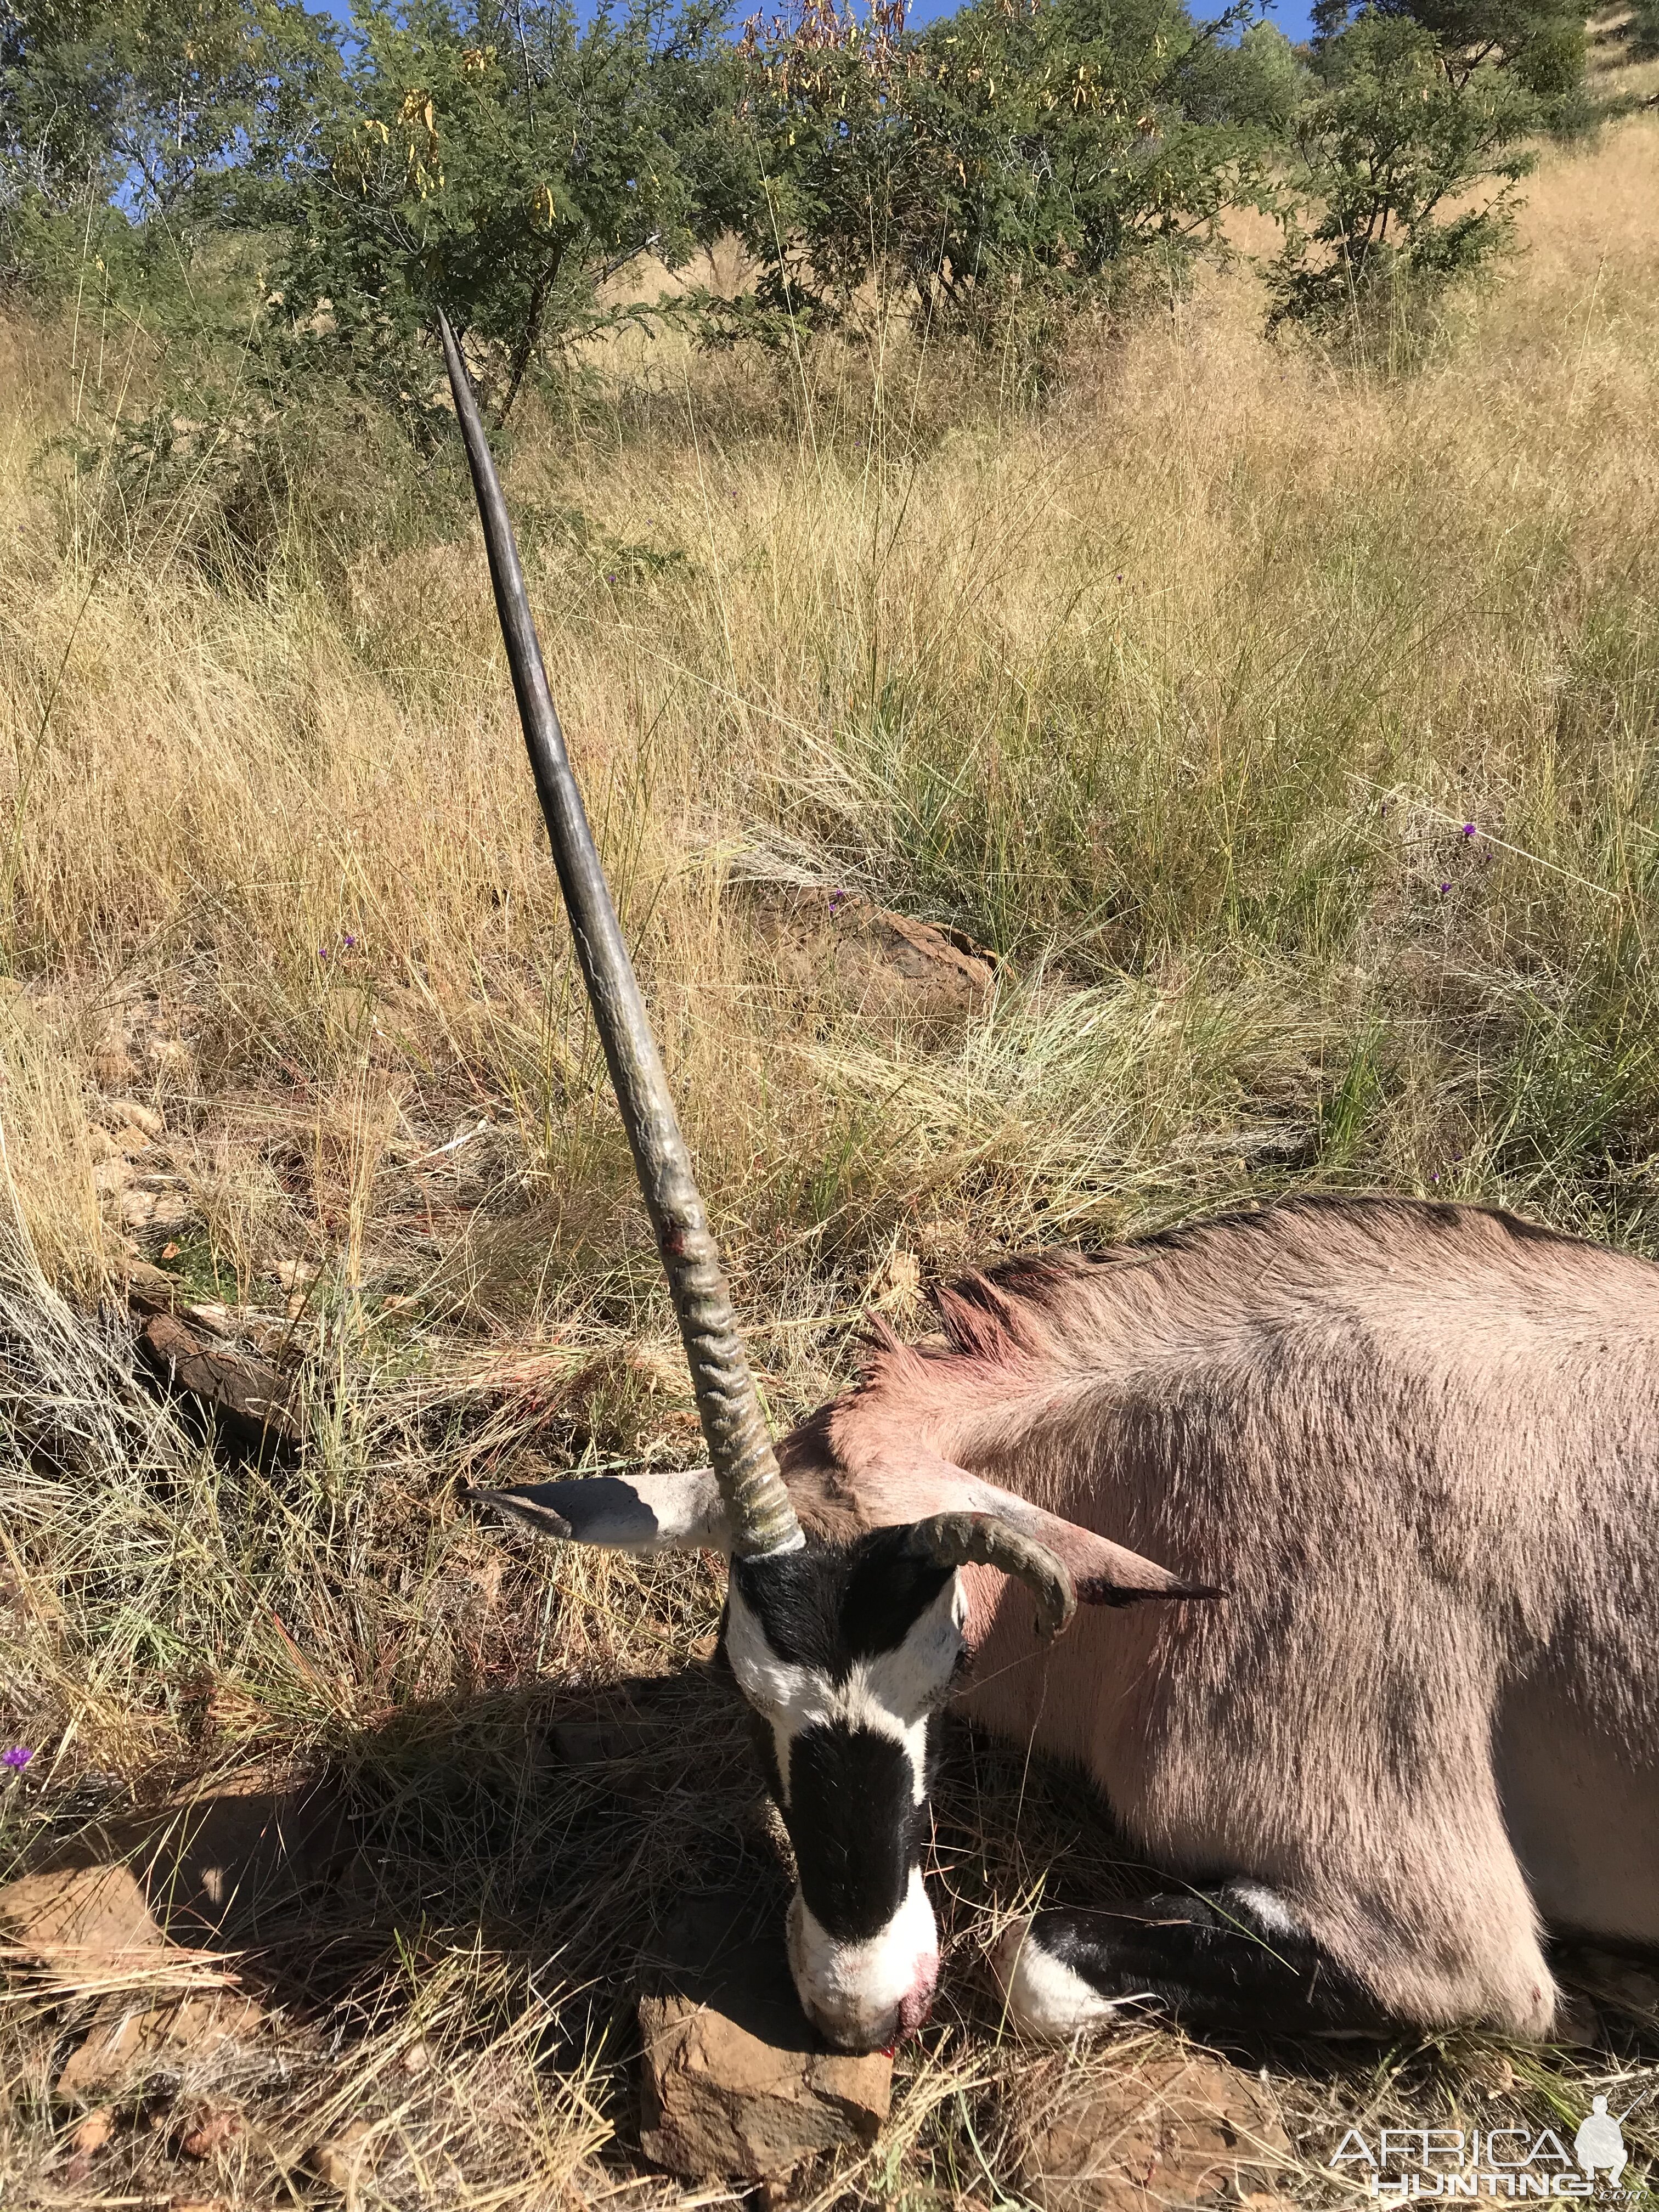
1469	830
1445	887
17	1758
350	942
322	953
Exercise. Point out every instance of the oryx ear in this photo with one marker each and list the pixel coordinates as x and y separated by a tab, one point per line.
643	1513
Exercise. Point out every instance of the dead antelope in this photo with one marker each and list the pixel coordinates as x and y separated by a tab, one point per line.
1387	1702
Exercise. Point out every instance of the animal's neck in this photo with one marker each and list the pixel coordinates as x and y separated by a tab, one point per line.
884	1452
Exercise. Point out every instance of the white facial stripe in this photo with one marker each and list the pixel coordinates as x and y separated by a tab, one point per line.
892	1694
856	1991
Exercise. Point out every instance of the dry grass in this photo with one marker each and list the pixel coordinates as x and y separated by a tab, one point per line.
1178	692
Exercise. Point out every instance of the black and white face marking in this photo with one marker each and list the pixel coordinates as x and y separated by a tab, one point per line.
846	1654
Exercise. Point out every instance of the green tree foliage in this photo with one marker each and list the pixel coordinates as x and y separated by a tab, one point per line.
497	162
1411	150
1641	31
121	117
1038	148
1541	41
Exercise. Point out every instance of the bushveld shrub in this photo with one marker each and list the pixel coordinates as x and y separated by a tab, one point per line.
284	207
1042	146
498	162
1413	145
120	123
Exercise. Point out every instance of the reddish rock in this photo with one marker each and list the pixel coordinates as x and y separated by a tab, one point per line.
213	2132
1165	2130
96	1917
254	1397
736	2082
343	2160
134	2040
874	956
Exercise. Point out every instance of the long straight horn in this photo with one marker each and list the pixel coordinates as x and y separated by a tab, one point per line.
757	1504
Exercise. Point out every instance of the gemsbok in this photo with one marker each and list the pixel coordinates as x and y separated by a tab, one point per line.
1348	1509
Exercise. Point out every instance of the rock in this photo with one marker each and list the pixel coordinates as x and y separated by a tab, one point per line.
132	2042
92	1918
213	2132
341	2161
736	2082
142	1207
877	957
417	2059
112	1063
94	2132
896	1287
257	1399
93	1925
140	1116
1166	2128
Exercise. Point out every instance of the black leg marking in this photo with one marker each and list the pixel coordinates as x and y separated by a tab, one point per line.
1212	1959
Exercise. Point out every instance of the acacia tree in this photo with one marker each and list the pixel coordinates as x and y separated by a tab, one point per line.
128	117
1038	146
497	161
1410	163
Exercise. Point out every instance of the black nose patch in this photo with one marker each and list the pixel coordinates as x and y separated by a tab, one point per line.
854	1823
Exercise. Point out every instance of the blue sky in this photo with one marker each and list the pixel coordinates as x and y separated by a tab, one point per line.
1293	16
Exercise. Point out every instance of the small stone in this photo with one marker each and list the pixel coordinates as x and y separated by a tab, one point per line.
141	1117
211	2133
896	1287
94	2132
736	2082
417	2059
129	2046
112	1063
91	1915
255	1395
343	2160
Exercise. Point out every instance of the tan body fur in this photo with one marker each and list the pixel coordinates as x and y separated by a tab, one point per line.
1419	1446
